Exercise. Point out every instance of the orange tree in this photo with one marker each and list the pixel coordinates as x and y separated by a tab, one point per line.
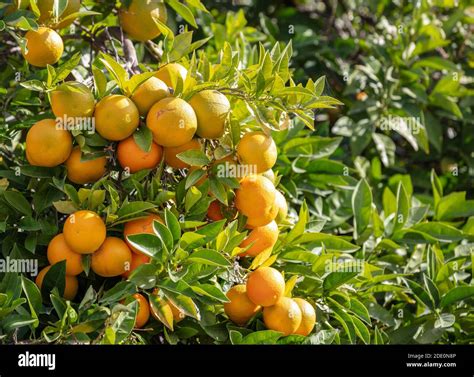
148	173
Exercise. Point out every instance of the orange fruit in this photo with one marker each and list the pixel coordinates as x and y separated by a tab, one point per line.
47	145
87	171
58	250
284	316
84	231
255	198
214	211
112	258
171	152
72	99
170	72
282	206
143	313
261	238
46	12
137	20
265	286
172	122
116	117
137	260
44	46
70	288
257	150
133	158
211	108
308	317
148	93
270	174
140	226
240	309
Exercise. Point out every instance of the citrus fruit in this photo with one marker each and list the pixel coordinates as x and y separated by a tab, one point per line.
172	122
170	73
308	317
282	206
257	150
214	212
133	158
116	117
284	316
260	239
170	153
140	226
137	260
143	313
148	93
255	198
265	286
58	250
137	20
270	175
47	145
211	108
70	288
46	13
112	258
72	99
87	171
84	231
44	46
240	309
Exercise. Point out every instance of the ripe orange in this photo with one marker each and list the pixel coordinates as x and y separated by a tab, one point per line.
82	172
240	309
257	150
131	156
255	198
58	250
282	206
308	318
84	231
44	46
211	108
72	99
261	238
138	19
143	313
46	12
270	174
47	145
70	288
170	72
171	152
112	258
284	316
116	117
172	122
214	211
265	286
148	93
140	226
137	260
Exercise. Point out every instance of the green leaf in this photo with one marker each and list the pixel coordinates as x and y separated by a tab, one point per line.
144	138
33	295
148	244
403	208
164	234
194	157
183	11
130	209
361	207
456	294
119	74
173	224
18	202
262	337
209	257
336	279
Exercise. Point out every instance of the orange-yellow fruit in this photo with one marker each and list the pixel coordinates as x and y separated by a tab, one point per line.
308	317
211	108
46	13
284	316
116	117
84	231
70	288
133	158
270	174
112	258
44	46
282	206
72	99
171	152
261	238
143	314
148	93
240	309
214	211
170	73
257	150
87	171
255	198
47	145
265	286
58	250
172	122
137	261
138	19
140	226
